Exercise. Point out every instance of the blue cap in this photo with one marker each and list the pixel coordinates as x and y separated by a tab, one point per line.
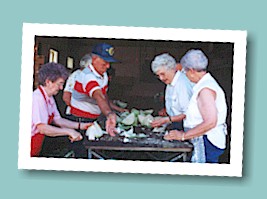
104	51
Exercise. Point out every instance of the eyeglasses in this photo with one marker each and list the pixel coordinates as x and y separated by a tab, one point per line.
60	84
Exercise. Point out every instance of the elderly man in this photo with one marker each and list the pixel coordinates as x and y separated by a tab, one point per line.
89	99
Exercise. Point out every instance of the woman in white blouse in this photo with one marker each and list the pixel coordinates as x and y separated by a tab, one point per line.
206	114
177	93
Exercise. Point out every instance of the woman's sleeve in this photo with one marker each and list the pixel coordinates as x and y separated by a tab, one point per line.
185	94
39	112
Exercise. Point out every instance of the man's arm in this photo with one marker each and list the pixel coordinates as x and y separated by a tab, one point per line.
103	104
116	108
102	101
69	88
67	97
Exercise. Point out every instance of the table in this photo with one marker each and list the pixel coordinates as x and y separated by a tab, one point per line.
153	147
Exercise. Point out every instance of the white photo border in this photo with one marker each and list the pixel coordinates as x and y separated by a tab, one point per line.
238	37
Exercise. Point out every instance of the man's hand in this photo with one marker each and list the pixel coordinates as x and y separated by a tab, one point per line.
111	124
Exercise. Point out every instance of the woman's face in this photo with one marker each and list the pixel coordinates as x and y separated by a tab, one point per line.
191	75
55	87
166	76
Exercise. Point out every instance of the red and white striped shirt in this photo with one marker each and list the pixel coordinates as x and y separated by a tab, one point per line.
82	102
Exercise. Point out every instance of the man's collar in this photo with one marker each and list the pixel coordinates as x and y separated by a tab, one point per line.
92	68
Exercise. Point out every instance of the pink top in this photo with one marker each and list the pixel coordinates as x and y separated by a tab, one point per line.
42	108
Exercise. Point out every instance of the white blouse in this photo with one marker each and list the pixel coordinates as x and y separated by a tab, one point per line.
178	94
193	117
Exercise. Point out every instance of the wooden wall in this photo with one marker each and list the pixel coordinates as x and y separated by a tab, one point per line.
134	80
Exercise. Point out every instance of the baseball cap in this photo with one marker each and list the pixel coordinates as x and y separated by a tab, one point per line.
105	51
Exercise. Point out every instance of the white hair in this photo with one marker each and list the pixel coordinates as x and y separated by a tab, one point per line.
85	60
194	59
163	61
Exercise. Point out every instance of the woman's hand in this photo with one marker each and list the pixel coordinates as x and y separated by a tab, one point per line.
74	135
174	135
162	112
84	126
160	122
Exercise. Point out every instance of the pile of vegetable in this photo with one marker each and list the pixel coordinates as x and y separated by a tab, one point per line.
120	103
135	118
95	131
126	122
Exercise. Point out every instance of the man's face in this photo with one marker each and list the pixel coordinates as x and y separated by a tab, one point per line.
100	65
166	76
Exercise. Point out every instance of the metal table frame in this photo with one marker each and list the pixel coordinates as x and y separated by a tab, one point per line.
181	152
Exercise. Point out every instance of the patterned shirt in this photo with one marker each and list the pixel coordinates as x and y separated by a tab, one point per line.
82	102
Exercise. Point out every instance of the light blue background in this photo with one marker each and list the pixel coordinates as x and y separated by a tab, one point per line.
235	15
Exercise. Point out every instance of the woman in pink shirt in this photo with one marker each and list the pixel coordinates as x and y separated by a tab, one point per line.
51	78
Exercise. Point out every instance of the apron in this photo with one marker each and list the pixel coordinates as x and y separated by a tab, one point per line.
198	155
38	138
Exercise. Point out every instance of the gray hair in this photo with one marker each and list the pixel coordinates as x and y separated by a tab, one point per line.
52	71
163	61
85	60
194	59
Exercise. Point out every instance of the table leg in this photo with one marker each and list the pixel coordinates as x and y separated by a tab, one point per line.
92	153
89	154
185	157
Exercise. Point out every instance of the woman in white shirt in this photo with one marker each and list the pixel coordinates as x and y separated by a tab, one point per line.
177	93
206	114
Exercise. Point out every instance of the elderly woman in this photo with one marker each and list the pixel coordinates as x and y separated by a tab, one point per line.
206	114
178	90
51	78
